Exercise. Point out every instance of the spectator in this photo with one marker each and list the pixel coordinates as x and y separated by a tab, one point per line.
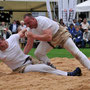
22	27
13	27
81	28
3	25
18	22
85	24
61	22
4	31
71	29
79	22
7	33
78	37
86	37
74	22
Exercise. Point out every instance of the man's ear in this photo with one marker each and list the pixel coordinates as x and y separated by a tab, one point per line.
1	37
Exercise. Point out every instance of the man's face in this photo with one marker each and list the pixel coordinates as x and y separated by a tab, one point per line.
3	45
30	22
77	28
22	23
85	20
14	22
3	23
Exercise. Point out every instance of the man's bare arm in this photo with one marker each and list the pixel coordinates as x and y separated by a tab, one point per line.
46	36
29	45
22	33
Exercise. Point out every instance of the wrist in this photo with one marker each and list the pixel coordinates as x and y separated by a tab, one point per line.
34	36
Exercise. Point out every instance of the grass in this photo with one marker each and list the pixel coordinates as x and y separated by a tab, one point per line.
62	53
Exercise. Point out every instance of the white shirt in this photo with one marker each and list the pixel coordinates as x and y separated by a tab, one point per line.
14	28
13	56
85	25
4	35
86	36
45	23
22	27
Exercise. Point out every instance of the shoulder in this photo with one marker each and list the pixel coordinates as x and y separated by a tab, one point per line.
41	17
14	36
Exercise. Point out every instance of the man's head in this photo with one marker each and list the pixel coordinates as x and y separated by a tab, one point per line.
77	28
22	22
74	20
85	20
3	23
61	21
71	26
14	21
3	44
30	21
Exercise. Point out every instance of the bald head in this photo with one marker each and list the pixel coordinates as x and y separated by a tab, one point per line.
28	14
30	21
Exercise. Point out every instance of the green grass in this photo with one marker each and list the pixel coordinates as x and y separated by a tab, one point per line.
62	53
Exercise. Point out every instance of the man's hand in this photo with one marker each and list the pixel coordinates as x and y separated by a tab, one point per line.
29	34
46	36
22	33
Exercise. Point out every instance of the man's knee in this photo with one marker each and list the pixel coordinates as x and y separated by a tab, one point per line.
37	54
42	57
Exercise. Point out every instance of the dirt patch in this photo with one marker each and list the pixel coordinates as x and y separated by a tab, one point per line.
45	81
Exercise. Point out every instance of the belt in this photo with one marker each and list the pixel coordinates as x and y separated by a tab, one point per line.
51	45
27	59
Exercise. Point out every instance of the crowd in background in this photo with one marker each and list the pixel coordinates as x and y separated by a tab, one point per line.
80	31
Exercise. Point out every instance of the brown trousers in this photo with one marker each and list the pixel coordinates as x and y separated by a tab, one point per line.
60	37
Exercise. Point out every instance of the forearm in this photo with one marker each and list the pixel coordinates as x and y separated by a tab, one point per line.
22	33
29	45
43	37
46	35
27	49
